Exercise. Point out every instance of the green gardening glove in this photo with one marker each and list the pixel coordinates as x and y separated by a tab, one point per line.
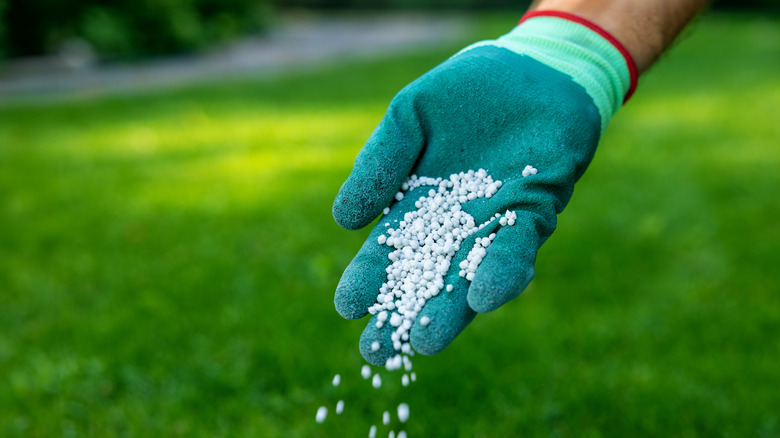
527	110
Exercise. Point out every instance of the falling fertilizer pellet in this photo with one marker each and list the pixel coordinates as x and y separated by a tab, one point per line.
322	412
403	412
423	243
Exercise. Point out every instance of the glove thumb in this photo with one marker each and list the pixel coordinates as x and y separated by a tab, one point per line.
383	164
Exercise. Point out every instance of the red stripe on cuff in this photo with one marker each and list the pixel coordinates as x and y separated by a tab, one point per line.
632	70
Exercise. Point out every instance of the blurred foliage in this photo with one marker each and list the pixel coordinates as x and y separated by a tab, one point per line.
3	6
765	5
126	28
403	4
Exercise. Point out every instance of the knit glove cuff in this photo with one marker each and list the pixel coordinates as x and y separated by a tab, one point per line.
591	56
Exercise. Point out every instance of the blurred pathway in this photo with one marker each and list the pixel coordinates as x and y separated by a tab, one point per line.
298	40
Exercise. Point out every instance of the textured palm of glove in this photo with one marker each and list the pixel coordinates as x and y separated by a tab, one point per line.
490	108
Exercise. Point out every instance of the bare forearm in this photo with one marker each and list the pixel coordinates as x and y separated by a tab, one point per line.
644	27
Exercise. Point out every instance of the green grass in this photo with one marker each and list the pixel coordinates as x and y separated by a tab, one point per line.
167	264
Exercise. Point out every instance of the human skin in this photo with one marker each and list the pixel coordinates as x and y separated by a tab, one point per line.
645	27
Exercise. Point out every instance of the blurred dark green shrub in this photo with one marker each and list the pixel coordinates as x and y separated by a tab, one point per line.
403	4
126	28
132	28
2	29
765	5
769	5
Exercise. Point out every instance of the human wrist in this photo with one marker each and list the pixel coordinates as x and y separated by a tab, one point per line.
640	38
645	27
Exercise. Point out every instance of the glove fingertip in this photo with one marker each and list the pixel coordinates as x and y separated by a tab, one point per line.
508	266
372	338
350	212
350	297
358	286
427	344
347	306
489	292
444	325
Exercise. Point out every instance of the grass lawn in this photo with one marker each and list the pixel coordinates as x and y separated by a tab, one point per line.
168	261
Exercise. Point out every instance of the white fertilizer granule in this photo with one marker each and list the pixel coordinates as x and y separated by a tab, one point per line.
403	412
528	171
386	418
339	407
336	380
365	371
372	432
322	412
376	382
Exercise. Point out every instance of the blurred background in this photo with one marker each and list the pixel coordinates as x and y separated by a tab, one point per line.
168	256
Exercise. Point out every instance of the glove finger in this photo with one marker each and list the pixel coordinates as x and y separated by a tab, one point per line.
508	266
380	168
359	285
448	312
382	336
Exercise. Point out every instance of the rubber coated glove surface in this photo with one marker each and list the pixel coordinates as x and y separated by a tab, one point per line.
485	108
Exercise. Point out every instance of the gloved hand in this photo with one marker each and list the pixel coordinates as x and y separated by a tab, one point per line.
540	96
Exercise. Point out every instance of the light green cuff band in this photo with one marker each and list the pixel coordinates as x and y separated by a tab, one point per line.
572	48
